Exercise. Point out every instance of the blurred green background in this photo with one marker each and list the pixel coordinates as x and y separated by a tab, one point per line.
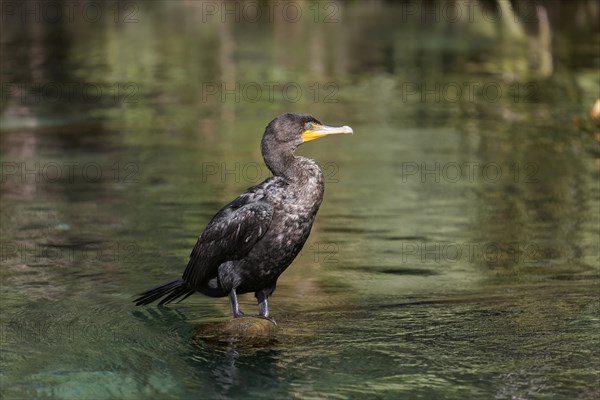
456	252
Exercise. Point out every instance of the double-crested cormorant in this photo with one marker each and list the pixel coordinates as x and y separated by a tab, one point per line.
253	239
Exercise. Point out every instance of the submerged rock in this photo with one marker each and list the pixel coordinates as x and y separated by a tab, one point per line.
244	332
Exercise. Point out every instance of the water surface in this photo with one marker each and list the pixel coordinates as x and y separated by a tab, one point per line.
455	254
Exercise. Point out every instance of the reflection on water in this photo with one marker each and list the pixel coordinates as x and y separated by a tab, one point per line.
456	250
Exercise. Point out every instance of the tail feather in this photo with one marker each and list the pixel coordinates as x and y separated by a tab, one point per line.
170	291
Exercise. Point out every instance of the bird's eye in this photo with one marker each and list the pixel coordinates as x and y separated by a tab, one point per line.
309	126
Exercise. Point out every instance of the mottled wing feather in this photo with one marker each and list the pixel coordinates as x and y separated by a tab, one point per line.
229	236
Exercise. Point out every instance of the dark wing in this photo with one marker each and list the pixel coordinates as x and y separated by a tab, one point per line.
229	236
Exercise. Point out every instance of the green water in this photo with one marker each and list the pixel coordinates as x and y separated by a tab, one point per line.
456	252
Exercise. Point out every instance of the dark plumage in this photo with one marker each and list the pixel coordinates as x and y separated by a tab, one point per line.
253	239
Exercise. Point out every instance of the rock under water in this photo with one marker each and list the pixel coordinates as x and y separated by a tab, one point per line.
244	332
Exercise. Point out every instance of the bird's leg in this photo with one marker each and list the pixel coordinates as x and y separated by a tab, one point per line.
263	306
235	306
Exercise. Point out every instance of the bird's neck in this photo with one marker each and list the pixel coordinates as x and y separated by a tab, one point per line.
296	170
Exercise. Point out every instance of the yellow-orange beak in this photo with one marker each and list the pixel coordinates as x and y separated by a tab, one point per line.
319	131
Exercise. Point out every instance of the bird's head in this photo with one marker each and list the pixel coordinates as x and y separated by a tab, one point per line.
290	130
